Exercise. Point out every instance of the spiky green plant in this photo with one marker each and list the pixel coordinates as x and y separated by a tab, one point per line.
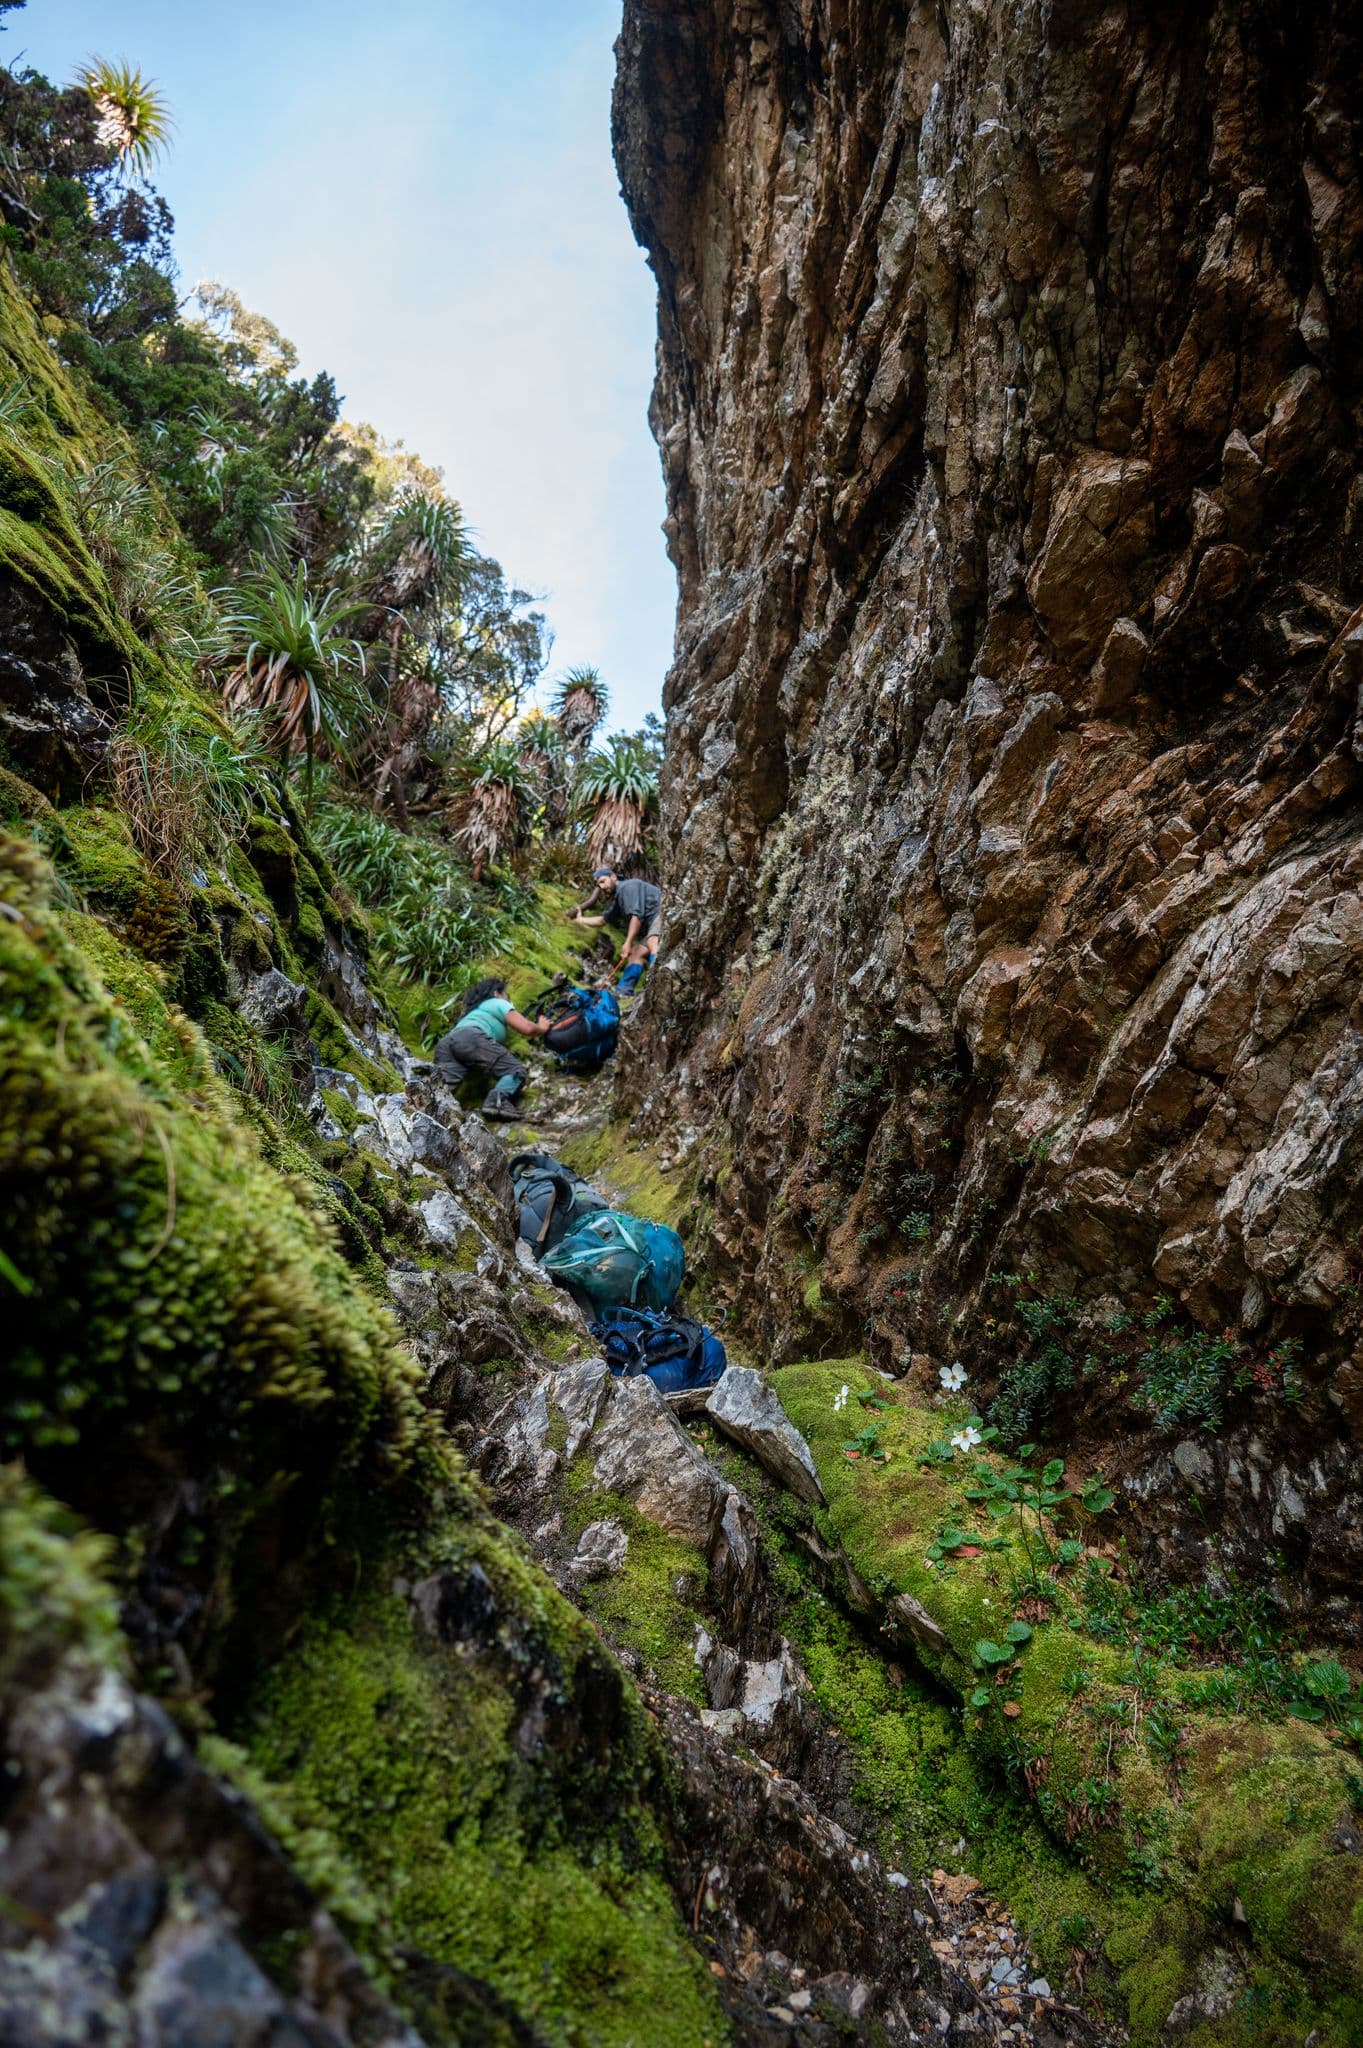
134	119
492	812
580	702
413	549
429	926
543	752
294	666
538	739
151	577
18	408
619	781
186	784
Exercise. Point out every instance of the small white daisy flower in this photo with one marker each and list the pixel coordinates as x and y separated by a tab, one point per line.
966	1439
952	1377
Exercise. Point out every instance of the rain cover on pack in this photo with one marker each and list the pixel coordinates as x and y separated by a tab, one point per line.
612	1258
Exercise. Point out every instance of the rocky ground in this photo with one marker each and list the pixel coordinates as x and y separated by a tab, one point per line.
745	1752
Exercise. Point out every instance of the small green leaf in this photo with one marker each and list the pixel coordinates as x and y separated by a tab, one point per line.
1018	1632
1053	1472
1328	1680
1096	1497
991	1653
981	1696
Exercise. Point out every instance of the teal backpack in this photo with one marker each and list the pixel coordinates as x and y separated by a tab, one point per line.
612	1260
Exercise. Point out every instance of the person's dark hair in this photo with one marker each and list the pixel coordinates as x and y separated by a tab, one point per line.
481	990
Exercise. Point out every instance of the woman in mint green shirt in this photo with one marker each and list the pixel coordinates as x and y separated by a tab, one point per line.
478	1045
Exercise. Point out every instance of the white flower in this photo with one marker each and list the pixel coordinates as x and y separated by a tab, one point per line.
840	1398
966	1439
952	1377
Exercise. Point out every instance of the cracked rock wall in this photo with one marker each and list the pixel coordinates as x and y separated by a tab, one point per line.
1008	401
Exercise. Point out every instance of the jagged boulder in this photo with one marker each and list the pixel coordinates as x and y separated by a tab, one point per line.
601	1548
275	1006
637	1451
147	1901
750	1411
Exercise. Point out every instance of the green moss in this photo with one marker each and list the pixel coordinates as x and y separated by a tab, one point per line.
21	805
55	1591
449	1806
541	945
551	1340
39	544
652	1604
1069	1737
97	855
337	1048
627	1173
342	1109
186	1307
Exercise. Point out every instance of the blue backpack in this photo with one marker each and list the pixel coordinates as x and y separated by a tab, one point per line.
585	1028
611	1259
677	1354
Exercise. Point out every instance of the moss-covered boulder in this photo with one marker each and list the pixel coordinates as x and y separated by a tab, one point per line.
1204	1825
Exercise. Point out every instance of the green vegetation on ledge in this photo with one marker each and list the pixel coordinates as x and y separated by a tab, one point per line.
433	1768
1177	1813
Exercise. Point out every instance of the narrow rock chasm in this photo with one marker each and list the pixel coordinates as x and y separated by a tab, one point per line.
980	1657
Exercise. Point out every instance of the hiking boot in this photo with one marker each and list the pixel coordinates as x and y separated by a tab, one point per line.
502	1109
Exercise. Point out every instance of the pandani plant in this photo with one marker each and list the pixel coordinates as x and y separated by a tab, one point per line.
619	782
542	752
492	812
580	702
294	666
134	120
432	547
411	560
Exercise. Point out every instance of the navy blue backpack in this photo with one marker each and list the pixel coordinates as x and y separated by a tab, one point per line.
676	1353
585	1028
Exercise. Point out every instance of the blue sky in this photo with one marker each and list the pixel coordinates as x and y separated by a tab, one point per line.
421	195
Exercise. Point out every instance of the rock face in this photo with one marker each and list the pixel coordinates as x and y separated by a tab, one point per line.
148	1902
1008	401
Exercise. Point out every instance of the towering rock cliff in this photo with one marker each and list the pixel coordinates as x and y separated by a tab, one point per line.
1008	400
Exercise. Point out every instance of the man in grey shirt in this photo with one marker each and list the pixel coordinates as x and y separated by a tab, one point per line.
633	907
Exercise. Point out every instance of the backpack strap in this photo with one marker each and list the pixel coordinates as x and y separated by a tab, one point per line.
548	1213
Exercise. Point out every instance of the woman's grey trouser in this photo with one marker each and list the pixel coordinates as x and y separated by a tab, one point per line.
467	1050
